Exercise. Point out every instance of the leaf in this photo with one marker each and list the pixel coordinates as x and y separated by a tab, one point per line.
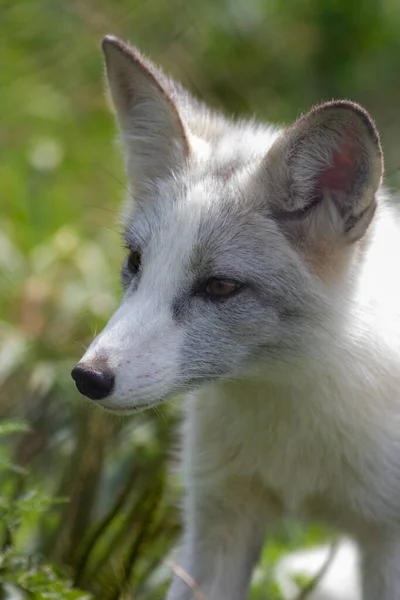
13	426
6	465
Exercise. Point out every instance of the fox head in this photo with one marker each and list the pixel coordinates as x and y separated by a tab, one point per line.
238	237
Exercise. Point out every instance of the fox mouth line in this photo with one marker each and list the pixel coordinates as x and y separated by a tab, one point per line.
130	409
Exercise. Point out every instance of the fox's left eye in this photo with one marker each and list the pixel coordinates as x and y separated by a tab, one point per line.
219	289
134	261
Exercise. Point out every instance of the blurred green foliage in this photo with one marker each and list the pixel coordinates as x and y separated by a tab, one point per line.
61	183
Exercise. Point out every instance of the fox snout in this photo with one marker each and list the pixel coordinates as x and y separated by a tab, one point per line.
134	362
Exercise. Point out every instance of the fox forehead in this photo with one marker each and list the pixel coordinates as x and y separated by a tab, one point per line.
206	225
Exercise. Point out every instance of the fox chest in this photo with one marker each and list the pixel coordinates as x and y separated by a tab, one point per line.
296	458
292	462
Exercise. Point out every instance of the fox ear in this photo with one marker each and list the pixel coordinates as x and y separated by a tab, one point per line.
153	132
323	173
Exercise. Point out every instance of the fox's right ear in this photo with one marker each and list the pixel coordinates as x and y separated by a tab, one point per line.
151	127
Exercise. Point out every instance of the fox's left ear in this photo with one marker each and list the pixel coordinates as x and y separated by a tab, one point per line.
151	127
322	174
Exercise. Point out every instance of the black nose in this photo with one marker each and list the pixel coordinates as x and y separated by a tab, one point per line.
93	383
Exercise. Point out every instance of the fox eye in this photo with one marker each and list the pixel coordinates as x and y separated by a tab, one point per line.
134	261
219	289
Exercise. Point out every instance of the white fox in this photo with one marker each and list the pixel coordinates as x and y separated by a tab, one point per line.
262	278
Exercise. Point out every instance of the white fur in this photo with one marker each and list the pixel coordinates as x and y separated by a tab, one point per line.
326	433
317	436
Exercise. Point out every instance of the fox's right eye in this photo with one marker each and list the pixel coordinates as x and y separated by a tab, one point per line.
134	261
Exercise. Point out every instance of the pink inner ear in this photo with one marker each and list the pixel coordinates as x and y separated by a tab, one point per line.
338	176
